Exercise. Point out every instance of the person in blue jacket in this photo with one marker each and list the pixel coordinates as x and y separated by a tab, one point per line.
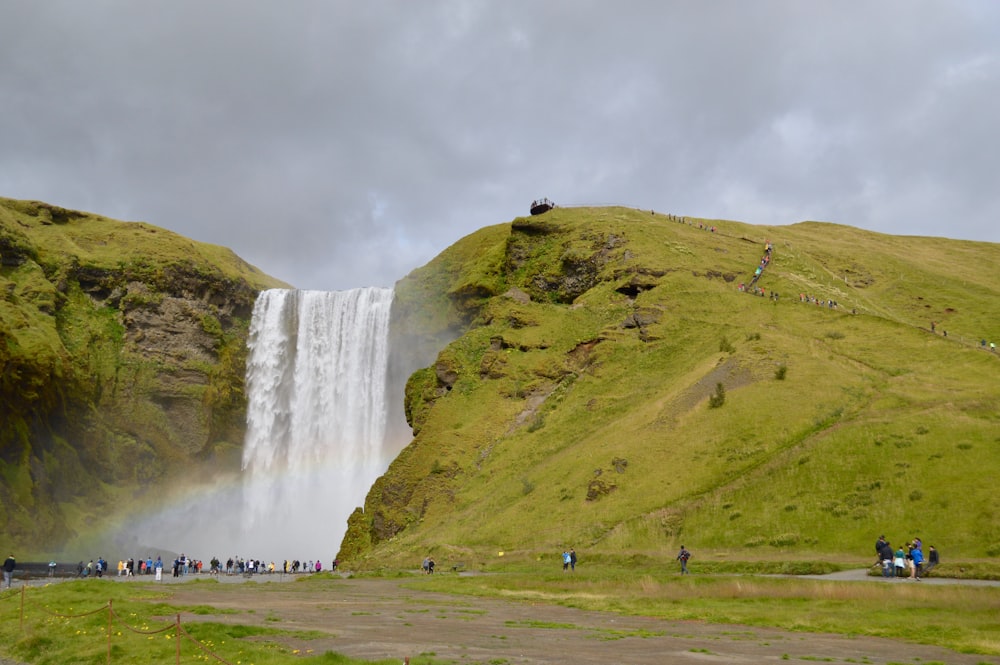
918	560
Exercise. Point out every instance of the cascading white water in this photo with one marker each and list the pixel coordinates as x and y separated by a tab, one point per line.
316	417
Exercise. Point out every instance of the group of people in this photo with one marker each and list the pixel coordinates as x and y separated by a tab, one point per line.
908	561
805	297
131	567
184	565
764	262
240	566
428	565
569	559
757	291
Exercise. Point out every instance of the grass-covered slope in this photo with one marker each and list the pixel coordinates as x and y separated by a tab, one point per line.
121	360
574	408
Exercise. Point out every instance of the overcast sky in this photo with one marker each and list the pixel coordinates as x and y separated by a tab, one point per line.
337	144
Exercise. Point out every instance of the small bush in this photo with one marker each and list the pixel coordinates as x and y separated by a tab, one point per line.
718	398
784	540
726	346
527	487
780	372
916	495
751	337
834	334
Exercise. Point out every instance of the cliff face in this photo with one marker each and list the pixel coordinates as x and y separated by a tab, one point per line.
602	381
122	350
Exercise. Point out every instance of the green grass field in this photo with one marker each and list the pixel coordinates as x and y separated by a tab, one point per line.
69	622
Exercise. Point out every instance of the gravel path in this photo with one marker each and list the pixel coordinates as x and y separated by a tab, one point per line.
378	618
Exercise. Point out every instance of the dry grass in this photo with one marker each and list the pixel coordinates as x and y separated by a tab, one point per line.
961	618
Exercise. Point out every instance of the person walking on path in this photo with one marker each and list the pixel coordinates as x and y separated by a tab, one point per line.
8	570
683	557
572	559
932	560
566	560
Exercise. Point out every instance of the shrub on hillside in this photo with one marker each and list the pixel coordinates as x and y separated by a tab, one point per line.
718	398
527	487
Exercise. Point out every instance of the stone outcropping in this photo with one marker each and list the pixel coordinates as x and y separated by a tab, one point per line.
122	350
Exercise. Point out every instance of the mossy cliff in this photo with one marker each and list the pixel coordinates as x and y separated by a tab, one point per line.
122	351
603	382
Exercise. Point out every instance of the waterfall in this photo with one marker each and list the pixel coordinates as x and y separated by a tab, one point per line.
316	417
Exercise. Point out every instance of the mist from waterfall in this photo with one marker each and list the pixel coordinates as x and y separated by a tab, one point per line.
316	418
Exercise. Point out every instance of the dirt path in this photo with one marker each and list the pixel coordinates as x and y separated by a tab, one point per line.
378	618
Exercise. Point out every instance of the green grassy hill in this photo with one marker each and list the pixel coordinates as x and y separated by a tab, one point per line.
572	407
122	349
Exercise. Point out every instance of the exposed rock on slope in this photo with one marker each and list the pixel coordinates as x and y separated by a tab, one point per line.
122	349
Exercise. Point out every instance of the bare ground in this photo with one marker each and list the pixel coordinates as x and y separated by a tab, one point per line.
378	619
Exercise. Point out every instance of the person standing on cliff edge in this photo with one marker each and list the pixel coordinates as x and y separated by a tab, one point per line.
8	570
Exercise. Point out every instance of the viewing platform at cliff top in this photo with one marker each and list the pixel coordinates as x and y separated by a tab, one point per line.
539	206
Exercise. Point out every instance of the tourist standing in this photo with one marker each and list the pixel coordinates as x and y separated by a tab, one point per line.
932	559
899	561
917	556
885	558
8	570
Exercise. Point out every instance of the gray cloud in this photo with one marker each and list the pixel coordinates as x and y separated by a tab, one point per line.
342	144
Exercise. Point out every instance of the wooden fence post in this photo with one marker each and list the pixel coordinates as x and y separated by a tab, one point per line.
111	613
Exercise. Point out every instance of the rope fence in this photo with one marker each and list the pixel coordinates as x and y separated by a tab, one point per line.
115	620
